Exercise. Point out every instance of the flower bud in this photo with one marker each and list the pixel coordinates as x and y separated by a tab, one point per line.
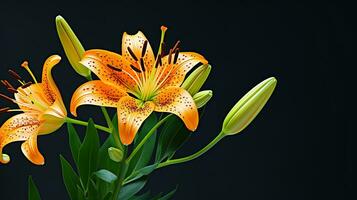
196	79
201	98
115	154
71	45
248	107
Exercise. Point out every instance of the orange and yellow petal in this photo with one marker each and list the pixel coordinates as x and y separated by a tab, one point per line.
135	47
30	150
96	93
25	98
52	118
111	68
18	128
48	84
179	102
173	74
131	114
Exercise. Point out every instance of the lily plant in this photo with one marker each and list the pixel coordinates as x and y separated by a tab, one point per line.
158	102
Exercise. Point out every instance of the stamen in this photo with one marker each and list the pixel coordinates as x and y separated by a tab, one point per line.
160	59
135	69
157	63
26	85
142	64
163	48
8	84
4	110
170	54
12	90
25	65
176	45
113	68
14	75
144	48
7	98
176	55
132	54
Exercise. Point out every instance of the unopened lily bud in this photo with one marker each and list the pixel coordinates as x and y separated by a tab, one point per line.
115	154
201	98
196	79
248	107
71	45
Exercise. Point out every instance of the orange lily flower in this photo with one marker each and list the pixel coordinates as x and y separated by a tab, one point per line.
138	83
43	112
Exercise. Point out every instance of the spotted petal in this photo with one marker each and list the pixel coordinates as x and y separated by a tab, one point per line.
111	68
173	73
179	102
48	84
134	48
131	114
21	127
96	93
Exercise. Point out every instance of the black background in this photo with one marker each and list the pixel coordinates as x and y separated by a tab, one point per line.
299	146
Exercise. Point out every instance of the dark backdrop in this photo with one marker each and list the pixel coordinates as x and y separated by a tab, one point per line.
297	148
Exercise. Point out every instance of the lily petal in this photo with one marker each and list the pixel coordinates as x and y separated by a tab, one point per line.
174	73
111	68
137	46
25	96
18	128
179	102
30	150
48	84
131	114
96	93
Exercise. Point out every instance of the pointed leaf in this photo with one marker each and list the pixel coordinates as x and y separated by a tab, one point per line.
33	193
168	195
74	141
70	178
131	189
140	173
88	153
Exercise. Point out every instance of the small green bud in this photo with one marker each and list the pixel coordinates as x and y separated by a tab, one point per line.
196	79
72	46
115	154
248	107
201	98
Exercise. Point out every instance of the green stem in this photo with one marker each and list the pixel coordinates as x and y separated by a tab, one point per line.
193	156
148	135
122	173
83	123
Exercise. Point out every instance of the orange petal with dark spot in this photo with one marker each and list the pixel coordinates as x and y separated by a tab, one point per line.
174	73
179	102
96	93
131	114
18	128
136	43
30	150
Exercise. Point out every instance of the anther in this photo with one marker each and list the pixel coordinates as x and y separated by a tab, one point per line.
144	48
4	110
113	68
6	98
26	85
160	59
142	64
176	55
8	84
135	69
12	90
170	54
14	75
132	54
163	48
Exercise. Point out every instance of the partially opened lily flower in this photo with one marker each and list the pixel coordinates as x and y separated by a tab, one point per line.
43	112
138	83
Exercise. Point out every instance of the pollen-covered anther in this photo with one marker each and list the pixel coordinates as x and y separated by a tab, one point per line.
14	75
176	55
143	52
132	54
7	98
26	85
113	68
4	110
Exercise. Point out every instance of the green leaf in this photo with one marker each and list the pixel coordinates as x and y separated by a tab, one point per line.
33	193
92	190
172	137
74	142
104	161
108	196
70	178
140	173
144	196
131	189
80	193
143	157
88	153
106	175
